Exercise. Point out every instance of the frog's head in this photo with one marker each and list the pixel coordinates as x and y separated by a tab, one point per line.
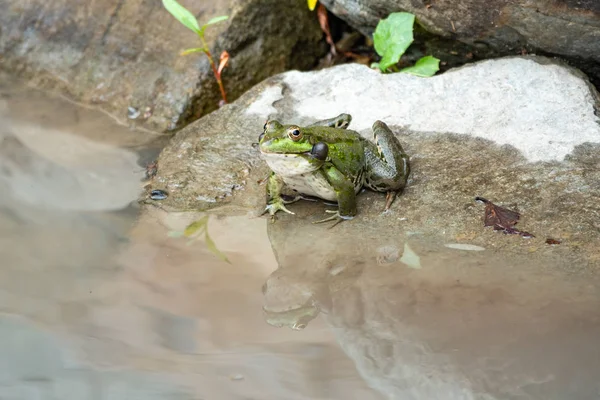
291	148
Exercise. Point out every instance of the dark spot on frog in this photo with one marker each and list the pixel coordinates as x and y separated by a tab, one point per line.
320	151
158	194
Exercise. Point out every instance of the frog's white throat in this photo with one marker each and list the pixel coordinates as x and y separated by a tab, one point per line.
288	164
299	174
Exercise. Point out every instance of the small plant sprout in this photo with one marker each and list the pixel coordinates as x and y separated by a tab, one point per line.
392	37
188	20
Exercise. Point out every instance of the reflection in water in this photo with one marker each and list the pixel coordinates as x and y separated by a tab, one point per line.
464	324
98	302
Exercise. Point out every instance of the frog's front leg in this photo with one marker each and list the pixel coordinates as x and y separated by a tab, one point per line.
341	121
388	163
344	192
274	200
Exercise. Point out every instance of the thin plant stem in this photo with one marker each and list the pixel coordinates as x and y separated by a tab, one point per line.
214	68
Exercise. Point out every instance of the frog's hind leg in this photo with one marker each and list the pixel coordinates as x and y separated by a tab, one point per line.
345	194
388	163
341	121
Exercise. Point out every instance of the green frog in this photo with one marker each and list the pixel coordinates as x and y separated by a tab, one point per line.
328	161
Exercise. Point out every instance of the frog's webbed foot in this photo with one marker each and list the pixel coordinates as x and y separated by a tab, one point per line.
341	121
276	205
336	216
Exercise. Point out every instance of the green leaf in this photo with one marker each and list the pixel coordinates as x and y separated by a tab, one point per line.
426	66
212	21
196	227
194	50
216	20
392	37
182	15
212	247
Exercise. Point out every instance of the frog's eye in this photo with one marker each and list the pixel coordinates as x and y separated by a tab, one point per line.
294	133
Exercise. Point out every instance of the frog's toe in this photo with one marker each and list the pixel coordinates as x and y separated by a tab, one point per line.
275	206
389	199
336	216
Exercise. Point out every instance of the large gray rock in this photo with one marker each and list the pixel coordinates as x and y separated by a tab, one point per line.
537	112
125	53
570	29
427	302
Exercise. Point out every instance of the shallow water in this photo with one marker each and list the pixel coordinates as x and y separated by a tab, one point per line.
100	301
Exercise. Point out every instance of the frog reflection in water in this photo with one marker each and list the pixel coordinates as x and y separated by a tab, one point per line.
333	163
297	318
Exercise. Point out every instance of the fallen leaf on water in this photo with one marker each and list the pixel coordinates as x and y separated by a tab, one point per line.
193	232
196	227
502	219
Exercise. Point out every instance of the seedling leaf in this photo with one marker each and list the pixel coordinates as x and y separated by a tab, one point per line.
216	20
213	248
196	227
392	37
211	22
194	50
182	14
425	67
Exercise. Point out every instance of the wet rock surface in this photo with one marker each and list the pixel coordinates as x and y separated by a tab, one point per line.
569	29
125	53
424	320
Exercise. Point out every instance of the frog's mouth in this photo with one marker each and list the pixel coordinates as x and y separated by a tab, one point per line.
296	319
319	151
290	163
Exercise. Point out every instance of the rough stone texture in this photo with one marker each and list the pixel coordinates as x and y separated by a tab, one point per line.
121	53
567	28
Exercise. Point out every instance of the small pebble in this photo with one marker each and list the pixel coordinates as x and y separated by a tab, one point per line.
147	112
158	194
237	377
133	113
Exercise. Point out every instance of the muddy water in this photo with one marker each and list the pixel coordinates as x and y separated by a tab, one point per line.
100	300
